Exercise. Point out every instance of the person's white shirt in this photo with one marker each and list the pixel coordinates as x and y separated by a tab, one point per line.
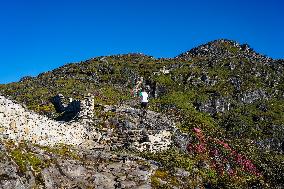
144	96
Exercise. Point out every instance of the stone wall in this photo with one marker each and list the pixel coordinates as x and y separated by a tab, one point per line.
153	133
86	113
76	109
19	124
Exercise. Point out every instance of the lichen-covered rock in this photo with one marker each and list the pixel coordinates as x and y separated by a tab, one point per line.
87	169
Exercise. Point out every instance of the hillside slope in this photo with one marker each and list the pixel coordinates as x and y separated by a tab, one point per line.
226	100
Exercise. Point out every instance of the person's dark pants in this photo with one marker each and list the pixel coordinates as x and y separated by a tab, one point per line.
144	105
144	109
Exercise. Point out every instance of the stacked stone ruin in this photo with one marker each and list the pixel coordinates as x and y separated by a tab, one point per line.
19	124
154	133
87	109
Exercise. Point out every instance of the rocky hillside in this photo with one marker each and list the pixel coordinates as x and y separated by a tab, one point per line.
218	108
38	152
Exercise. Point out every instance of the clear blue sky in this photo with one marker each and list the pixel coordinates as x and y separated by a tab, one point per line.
40	35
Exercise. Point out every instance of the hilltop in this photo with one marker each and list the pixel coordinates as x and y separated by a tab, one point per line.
221	103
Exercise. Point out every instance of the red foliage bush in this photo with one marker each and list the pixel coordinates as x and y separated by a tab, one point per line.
222	162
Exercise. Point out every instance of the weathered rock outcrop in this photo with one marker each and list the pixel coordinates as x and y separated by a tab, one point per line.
86	169
152	133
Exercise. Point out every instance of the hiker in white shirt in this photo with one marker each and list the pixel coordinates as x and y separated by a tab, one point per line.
144	98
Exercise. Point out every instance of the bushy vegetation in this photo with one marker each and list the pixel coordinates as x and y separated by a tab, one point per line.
195	80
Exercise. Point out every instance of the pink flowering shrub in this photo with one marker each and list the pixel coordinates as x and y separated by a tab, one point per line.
221	156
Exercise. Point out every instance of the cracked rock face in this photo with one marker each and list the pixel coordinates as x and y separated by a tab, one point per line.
96	170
